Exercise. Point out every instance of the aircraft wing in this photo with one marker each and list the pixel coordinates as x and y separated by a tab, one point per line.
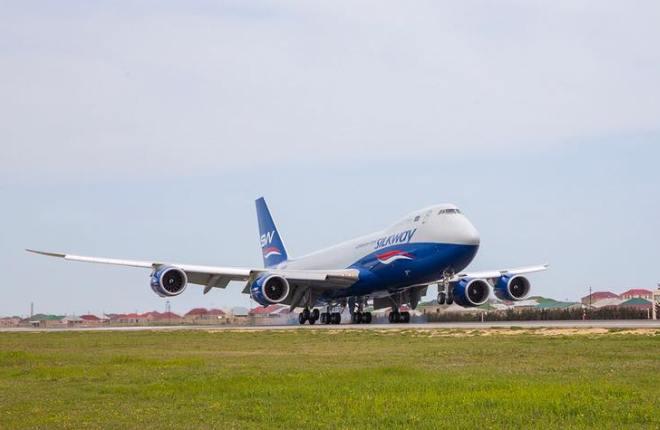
219	277
494	274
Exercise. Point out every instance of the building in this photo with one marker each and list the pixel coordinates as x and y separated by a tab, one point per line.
159	317
205	316
10	321
598	295
607	302
636	303
93	320
44	320
637	293
72	321
132	318
271	311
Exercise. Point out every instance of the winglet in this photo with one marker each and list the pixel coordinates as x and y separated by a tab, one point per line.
50	254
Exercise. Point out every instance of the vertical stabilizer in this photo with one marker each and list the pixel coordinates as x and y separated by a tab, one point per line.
272	248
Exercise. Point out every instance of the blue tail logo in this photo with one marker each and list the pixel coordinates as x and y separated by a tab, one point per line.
272	247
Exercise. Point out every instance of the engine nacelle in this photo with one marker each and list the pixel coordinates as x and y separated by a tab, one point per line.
470	293
270	289
512	288
168	281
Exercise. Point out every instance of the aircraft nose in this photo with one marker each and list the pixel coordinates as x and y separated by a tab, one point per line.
469	233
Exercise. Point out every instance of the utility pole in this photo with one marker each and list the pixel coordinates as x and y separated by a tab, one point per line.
31	309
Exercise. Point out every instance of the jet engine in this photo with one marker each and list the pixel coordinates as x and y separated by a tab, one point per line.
270	289
512	288
168	281
471	292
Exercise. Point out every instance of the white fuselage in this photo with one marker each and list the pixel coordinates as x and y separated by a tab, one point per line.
439	224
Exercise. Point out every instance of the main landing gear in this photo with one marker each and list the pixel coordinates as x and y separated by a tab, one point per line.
314	315
361	317
308	316
399	317
330	317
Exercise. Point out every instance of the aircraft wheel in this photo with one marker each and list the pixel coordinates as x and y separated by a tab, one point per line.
336	318
306	313
301	318
404	317
441	298
366	318
393	317
356	318
312	321
315	314
450	299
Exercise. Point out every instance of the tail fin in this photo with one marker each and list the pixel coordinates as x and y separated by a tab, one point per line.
272	247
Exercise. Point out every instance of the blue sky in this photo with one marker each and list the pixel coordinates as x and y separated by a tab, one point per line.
147	131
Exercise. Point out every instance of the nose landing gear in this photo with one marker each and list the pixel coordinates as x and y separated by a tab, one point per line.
445	291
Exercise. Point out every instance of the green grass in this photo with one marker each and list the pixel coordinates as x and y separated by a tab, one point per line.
328	379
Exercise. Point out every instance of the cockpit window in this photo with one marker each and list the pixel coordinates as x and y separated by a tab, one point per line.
449	211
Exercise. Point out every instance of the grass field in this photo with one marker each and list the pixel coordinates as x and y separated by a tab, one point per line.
330	379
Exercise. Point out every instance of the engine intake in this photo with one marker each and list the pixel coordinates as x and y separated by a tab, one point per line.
471	292
270	289
512	288
168	281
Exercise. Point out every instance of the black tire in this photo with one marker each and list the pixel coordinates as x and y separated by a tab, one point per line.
441	298
404	317
450	299
336	318
355	318
366	318
394	317
312	321
316	314
306	313
301	318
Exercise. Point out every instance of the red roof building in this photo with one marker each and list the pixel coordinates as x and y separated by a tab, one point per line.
197	312
637	293
271	310
216	313
169	316
598	295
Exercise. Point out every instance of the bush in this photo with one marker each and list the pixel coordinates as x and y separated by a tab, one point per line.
607	313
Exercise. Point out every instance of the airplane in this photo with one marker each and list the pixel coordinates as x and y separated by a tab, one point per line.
392	268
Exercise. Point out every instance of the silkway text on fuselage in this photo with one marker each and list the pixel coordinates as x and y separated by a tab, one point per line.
394	239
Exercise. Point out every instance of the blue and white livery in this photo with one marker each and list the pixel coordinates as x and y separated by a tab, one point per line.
389	268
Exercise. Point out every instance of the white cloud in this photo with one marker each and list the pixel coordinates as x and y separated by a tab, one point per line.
98	91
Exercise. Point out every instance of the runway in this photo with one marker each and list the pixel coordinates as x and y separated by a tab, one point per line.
611	324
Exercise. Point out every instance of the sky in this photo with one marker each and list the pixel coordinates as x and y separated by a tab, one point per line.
147	129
